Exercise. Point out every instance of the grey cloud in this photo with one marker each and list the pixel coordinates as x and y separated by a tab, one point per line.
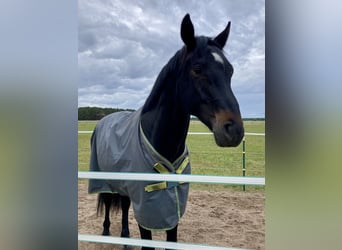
124	44
86	40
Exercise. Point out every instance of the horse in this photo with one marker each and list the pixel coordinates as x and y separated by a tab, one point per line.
196	81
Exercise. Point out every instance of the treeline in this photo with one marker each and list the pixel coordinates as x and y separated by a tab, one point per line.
253	119
96	113
194	118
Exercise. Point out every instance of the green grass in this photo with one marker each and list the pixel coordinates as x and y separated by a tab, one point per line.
86	125
206	157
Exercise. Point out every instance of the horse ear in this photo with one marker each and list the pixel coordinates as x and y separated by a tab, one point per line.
222	38
187	32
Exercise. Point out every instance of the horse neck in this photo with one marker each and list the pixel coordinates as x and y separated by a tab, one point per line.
164	119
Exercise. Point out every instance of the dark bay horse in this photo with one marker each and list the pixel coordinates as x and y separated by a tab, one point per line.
196	81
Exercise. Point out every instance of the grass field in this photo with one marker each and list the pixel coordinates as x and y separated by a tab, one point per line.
206	157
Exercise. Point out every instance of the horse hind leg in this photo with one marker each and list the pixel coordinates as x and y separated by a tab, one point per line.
108	200
104	199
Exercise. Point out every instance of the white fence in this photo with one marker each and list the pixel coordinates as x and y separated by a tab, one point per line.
189	133
164	177
232	180
148	243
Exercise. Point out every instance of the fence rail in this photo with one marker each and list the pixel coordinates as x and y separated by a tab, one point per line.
189	133
232	180
148	243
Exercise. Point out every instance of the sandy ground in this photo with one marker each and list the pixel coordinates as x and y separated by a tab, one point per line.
219	218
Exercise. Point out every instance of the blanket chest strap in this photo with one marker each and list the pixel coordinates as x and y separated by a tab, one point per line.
163	170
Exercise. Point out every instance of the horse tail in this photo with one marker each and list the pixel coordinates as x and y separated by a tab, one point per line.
110	200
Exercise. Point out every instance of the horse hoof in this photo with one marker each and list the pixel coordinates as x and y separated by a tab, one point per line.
106	232
125	234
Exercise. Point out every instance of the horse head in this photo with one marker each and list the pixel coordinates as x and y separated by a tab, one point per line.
208	84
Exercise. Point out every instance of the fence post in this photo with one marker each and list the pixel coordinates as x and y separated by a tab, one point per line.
244	161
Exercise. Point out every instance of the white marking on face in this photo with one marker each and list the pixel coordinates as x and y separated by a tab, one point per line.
217	57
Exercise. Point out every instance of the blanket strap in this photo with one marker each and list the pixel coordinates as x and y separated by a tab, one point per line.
156	186
183	165
163	170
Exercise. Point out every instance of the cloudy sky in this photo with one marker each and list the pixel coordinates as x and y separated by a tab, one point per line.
123	45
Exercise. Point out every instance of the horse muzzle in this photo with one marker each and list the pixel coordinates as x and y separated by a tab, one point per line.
228	129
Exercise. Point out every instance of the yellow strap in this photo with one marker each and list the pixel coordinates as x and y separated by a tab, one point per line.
156	186
161	168
183	165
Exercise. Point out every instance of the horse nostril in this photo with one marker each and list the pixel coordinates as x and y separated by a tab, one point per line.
227	126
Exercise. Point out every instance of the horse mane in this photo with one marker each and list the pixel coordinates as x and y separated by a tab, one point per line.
165	77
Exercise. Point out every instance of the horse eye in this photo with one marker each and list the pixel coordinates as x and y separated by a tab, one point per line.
197	68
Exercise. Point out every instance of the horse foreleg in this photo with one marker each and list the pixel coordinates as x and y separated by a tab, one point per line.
171	235
125	204
145	235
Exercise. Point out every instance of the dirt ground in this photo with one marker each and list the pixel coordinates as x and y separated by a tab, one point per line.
219	218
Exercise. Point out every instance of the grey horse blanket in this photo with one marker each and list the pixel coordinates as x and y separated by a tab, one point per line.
118	144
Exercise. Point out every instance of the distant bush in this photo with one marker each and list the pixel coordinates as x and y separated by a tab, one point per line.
96	113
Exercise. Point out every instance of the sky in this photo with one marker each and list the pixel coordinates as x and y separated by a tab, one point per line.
123	45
